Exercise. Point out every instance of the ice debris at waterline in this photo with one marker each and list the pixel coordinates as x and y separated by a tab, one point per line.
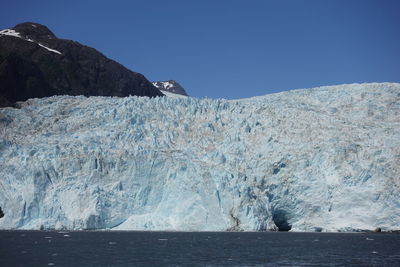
321	159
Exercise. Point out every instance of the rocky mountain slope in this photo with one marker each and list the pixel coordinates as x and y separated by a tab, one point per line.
35	63
322	159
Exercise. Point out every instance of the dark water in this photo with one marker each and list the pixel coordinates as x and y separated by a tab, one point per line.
40	248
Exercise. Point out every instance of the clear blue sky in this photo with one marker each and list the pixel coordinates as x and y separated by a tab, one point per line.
232	49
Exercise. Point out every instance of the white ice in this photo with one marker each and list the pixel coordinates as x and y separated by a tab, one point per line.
321	159
170	94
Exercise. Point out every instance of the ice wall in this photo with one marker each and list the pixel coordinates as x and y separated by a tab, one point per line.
321	159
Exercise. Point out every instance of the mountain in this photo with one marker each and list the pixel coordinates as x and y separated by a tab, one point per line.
170	86
321	159
35	63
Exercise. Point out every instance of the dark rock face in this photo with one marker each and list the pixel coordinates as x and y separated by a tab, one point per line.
35	63
170	86
1	213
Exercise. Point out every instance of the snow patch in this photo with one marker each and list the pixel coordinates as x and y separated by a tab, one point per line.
49	49
10	32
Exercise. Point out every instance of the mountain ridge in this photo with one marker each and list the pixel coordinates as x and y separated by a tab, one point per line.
35	63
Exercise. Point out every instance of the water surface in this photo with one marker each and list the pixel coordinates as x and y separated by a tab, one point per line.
98	248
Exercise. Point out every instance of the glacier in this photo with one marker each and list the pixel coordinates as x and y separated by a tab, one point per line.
320	159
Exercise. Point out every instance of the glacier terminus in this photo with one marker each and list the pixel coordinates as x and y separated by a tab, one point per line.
320	159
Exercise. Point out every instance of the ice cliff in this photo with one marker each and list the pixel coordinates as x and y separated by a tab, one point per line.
321	159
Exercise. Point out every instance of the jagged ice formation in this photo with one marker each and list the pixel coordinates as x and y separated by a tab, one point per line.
322	159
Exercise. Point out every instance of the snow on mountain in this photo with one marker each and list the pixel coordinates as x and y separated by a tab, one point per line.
170	86
322	159
165	85
11	32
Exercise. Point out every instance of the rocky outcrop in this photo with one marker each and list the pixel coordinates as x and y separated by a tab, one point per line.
35	63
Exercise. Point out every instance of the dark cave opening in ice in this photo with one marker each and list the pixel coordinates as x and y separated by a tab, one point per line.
280	218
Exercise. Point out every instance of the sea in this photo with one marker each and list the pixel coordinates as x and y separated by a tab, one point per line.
135	248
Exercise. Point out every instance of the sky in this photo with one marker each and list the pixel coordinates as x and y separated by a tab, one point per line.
232	49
